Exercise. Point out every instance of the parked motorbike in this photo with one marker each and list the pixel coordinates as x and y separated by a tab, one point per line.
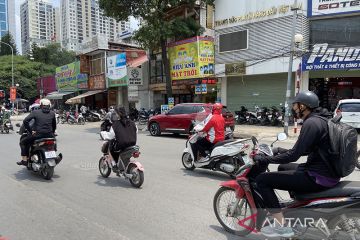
225	156
241	116
42	155
263	116
75	118
134	114
91	116
238	206
276	118
252	117
126	166
143	116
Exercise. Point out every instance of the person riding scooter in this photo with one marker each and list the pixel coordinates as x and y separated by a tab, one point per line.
44	126
214	127
312	176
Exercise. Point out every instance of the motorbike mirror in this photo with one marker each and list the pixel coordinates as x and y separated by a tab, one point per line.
18	125
282	136
254	140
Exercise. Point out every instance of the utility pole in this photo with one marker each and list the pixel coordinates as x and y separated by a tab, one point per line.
288	88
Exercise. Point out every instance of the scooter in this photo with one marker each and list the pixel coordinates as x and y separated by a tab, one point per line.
5	125
238	206
225	156
126	167
42	155
241	116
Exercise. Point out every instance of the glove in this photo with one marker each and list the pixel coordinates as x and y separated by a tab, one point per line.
261	159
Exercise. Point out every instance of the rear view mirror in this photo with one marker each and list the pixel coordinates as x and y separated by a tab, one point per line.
282	136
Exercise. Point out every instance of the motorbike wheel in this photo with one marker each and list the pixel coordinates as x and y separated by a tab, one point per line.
47	172
138	176
6	130
81	121
104	168
224	200
358	159
187	161
154	129
342	224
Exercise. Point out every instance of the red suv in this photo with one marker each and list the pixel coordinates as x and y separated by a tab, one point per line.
180	119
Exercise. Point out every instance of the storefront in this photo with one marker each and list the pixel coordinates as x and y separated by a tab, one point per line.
252	52
333	65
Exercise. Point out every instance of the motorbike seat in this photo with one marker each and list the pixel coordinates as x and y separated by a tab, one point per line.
222	143
43	140
342	189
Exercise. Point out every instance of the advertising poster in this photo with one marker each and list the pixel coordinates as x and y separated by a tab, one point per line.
117	71
135	76
69	78
333	7
192	58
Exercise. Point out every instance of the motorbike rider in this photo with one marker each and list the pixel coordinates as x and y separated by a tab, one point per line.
313	176
123	134
44	126
215	132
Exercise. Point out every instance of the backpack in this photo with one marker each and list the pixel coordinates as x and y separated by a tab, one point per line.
125	134
343	147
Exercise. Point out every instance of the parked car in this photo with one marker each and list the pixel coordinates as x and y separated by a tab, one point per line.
350	111
182	117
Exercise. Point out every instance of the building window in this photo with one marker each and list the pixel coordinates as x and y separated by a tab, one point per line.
233	41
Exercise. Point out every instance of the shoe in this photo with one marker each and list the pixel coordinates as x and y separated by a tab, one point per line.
22	162
277	231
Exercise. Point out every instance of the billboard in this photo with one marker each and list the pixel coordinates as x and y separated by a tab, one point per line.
69	78
116	70
322	8
324	57
192	58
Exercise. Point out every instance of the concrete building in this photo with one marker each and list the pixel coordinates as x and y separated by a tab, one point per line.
38	24
252	50
83	19
11	24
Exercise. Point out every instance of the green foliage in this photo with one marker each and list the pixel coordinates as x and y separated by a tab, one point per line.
52	54
25	74
4	49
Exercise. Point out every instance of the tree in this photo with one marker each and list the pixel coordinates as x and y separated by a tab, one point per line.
4	49
52	54
25	74
158	26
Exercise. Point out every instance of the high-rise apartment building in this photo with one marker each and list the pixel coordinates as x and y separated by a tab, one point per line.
83	19
11	17
4	17
38	24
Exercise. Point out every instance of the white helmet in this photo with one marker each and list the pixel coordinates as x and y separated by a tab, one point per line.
45	102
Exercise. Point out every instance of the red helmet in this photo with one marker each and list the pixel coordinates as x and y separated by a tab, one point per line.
217	108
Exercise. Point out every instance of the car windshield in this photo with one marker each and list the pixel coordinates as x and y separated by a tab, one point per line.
350	107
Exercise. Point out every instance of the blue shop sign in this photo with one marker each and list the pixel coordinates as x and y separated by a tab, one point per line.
324	57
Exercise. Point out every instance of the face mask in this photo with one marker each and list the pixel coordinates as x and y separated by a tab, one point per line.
293	113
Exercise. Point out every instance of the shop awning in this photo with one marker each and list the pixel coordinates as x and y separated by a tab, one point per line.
57	95
138	61
78	98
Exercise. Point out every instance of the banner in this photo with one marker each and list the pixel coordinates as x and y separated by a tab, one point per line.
135	76
323	8
117	73
324	58
192	58
12	94
69	78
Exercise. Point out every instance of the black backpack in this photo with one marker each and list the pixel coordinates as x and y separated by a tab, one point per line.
343	147
125	134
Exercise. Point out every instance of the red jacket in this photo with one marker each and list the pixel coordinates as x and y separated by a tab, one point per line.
215	128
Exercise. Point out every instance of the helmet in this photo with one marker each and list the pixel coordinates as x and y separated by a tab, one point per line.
307	98
216	108
111	109
45	102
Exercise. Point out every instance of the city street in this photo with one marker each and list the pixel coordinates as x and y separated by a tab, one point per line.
79	204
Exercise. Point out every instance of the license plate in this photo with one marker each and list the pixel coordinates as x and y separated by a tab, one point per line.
51	154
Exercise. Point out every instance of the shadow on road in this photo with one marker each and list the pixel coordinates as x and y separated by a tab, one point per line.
113	181
204	173
25	174
230	236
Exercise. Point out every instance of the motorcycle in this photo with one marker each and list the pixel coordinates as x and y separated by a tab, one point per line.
42	155
252	117
225	156
276	117
77	118
241	116
126	167
238	206
91	116
143	116
5	124
263	116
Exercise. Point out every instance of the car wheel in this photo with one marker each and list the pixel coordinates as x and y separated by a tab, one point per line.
154	129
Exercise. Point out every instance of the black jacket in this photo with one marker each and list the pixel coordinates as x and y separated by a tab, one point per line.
125	133
314	135
44	121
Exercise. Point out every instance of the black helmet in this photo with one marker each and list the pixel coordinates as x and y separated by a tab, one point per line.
307	98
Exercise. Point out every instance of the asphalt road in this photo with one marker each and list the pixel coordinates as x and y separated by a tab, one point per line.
79	204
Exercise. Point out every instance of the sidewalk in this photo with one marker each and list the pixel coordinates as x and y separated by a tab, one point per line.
246	131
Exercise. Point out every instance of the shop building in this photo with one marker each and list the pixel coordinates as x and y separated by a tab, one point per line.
252	48
332	67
